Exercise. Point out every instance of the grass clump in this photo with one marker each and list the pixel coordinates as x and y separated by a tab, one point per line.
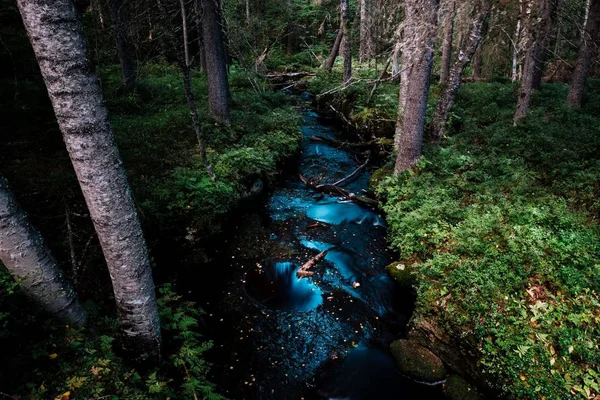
500	226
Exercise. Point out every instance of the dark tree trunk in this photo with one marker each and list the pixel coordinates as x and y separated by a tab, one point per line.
478	63
23	252
587	50
184	27
447	41
548	15
334	50
216	62
420	26
347	41
538	23
465	55
292	39
201	55
123	42
59	45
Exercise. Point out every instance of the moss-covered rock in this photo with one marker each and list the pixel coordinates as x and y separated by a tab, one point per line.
401	273
456	388
417	362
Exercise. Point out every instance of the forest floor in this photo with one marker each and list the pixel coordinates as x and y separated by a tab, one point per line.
499	226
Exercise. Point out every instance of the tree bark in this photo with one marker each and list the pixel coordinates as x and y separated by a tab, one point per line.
531	49
23	252
447	41
123	43
478	63
184	27
334	50
201	53
538	28
420	27
516	40
59	45
548	15
347	40
366	38
216	62
465	55
587	50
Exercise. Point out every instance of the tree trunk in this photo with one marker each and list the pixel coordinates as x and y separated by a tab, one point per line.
478	63
447	41
201	54
23	252
186	45
465	56
548	14
216	62
59	45
292	39
334	50
516	40
124	47
531	50
347	41
420	26
587	50
366	38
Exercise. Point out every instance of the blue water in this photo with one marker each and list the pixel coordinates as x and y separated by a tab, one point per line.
324	336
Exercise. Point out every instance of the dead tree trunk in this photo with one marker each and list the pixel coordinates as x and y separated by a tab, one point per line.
465	56
123	43
23	252
447	41
57	39
587	49
347	41
420	26
216	62
334	50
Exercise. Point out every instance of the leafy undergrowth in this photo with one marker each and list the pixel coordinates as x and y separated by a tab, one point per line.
154	133
500	223
67	363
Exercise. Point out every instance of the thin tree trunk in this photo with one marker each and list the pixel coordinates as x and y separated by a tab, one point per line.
347	41
548	14
396	60
247	12
420	26
59	45
587	50
447	41
187	87
186	47
23	252
334	50
366	38
216	62
201	55
531	50
515	56
123	43
465	56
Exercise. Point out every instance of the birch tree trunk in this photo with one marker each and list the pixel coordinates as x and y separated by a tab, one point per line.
448	35
516	40
59	45
465	55
216	62
347	41
587	50
123	43
420	27
23	252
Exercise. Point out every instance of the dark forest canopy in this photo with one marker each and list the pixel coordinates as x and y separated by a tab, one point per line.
144	142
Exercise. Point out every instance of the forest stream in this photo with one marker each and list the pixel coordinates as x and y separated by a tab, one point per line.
324	336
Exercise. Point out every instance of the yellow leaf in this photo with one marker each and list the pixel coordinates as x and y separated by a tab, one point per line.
64	396
52	356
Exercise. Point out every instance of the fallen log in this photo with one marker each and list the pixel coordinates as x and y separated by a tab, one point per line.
338	143
304	272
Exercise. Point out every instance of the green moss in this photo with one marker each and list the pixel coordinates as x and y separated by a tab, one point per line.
401	273
456	388
417	362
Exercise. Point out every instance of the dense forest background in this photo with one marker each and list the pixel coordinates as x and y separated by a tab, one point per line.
481	122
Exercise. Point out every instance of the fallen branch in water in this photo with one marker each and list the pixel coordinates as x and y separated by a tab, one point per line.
339	143
304	272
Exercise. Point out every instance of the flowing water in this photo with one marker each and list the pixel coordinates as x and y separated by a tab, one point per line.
324	336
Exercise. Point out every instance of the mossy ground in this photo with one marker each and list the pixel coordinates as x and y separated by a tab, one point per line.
501	223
